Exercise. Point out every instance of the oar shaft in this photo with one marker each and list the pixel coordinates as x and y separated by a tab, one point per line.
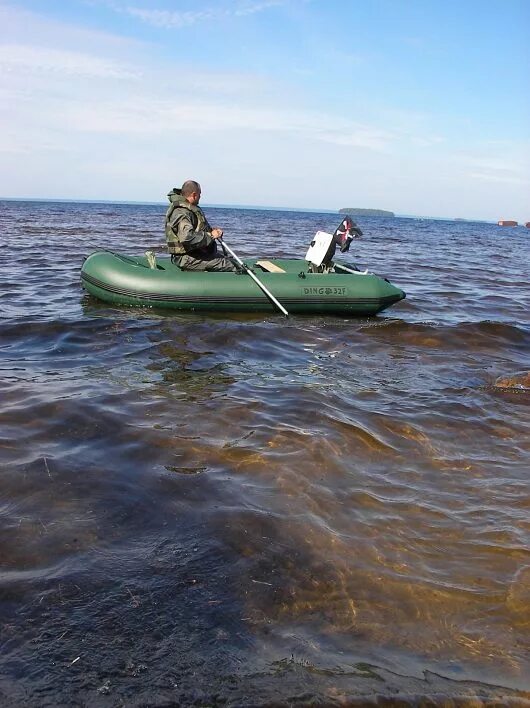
256	280
350	270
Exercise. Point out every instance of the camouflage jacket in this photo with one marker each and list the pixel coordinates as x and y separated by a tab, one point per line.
187	229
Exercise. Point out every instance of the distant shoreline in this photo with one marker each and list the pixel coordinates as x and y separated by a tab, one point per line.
235	206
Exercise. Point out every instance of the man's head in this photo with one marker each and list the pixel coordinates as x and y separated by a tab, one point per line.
191	191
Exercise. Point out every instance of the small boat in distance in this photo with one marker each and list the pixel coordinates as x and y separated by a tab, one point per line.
506	223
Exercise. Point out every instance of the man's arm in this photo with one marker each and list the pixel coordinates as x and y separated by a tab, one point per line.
214	232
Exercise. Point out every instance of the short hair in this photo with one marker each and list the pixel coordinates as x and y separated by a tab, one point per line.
190	186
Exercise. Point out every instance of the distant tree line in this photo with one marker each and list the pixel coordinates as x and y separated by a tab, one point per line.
352	211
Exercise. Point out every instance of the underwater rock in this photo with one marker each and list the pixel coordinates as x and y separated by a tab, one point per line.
520	381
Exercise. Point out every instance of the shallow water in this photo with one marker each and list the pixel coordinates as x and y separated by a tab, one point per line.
247	508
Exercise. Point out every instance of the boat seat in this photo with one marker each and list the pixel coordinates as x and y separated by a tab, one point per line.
270	267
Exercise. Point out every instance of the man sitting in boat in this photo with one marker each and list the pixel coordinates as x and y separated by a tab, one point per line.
190	238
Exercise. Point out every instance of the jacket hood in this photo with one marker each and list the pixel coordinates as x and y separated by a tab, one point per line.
175	197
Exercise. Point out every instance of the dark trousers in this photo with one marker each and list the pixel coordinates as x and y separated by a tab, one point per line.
187	262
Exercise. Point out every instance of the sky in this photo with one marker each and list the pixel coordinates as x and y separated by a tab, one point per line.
415	106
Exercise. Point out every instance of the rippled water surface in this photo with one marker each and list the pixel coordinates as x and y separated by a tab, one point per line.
249	509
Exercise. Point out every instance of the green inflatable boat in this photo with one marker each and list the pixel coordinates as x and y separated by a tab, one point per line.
260	287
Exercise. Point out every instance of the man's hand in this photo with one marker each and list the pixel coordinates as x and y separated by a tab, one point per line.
217	233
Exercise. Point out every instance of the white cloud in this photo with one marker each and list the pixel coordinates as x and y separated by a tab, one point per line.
504	177
41	80
191	116
171	19
356	136
38	60
175	19
506	163
426	141
250	8
18	25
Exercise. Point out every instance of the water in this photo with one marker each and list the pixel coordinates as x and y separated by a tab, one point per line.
249	509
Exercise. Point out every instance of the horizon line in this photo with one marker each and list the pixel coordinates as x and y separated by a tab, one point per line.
249	207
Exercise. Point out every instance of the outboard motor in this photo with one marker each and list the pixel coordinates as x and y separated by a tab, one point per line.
322	248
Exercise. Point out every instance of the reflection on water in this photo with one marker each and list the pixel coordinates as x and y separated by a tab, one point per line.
249	509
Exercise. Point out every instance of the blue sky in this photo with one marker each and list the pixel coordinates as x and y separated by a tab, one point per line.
417	106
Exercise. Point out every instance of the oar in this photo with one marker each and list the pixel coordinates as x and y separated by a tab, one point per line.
255	279
351	270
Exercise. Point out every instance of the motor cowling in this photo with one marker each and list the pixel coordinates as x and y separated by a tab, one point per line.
323	247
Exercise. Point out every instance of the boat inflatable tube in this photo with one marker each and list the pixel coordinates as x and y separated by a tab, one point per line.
132	280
